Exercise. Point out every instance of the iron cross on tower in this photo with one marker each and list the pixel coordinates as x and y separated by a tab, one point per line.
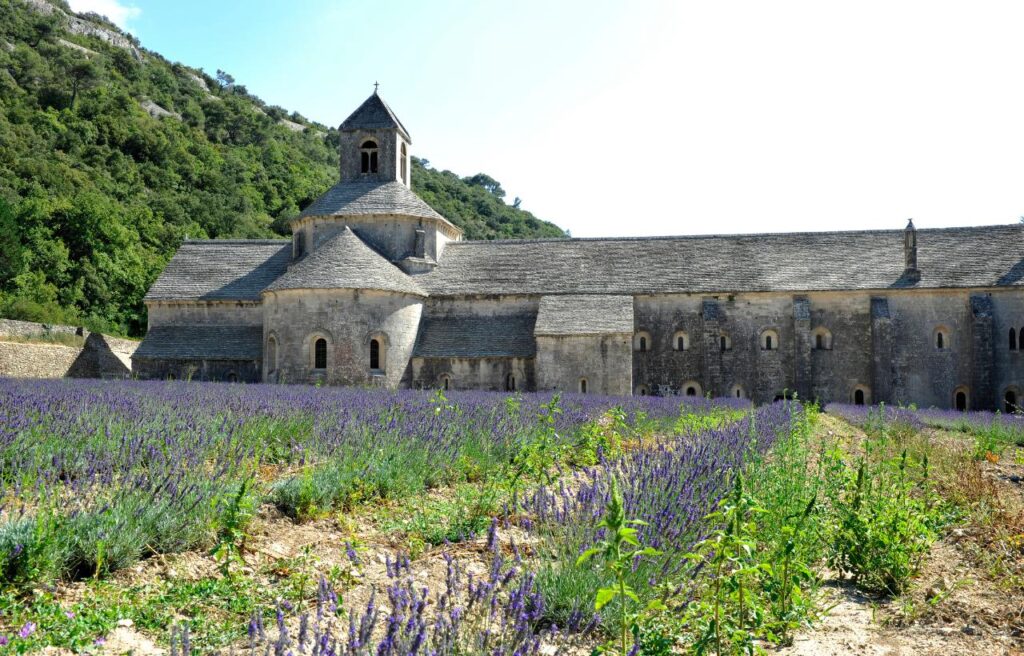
375	85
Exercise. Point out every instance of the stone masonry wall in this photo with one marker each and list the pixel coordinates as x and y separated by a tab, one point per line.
882	343
19	360
101	356
603	360
348	320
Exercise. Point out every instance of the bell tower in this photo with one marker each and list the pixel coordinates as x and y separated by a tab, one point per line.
375	145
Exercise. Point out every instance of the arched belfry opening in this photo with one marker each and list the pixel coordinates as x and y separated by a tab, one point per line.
368	160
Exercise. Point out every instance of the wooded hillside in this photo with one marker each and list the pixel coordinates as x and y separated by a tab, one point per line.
110	155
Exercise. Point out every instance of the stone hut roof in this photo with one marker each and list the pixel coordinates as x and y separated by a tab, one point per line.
345	262
202	342
362	198
584	315
476	337
374	114
989	256
221	270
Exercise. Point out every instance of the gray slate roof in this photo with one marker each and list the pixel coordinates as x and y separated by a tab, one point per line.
203	342
584	315
221	269
476	337
346	262
374	114
868	259
361	198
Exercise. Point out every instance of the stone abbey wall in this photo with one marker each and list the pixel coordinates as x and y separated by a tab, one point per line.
348	320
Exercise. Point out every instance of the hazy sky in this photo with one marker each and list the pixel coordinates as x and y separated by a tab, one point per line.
646	117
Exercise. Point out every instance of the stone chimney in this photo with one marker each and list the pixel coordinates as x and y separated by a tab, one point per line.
911	272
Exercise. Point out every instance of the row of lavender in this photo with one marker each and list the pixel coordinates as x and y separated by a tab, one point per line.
95	475
993	432
547	602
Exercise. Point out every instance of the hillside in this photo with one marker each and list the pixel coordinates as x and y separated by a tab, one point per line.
110	155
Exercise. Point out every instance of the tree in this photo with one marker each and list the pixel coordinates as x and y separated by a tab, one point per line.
44	27
517	202
225	79
12	253
83	74
488	183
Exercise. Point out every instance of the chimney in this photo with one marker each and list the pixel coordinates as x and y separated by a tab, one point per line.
910	271
420	248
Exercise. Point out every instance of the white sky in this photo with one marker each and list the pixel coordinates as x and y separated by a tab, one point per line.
659	116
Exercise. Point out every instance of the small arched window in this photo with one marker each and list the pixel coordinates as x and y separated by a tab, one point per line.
941	338
300	245
858	397
320	353
1013	339
232	377
272	354
822	339
940	341
1010	402
510	383
642	341
681	341
643	344
737	392
583	385
446	382
690	388
374	354
960	400
724	342
769	340
405	164
642	390
368	156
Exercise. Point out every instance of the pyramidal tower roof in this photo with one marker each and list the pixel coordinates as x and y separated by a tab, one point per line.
346	262
374	114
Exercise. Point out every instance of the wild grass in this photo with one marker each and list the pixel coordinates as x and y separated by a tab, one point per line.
60	339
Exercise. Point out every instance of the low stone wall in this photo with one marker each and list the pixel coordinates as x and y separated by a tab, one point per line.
20	360
100	357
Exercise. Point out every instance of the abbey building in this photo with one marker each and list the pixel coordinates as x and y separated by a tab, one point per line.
377	288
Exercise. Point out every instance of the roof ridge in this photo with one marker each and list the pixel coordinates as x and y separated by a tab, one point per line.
741	235
235	242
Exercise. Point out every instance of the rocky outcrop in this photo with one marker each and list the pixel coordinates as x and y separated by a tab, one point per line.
156	111
84	27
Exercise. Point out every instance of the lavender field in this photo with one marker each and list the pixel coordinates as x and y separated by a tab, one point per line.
165	517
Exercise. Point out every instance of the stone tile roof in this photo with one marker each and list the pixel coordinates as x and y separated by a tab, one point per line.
202	342
346	262
868	259
374	114
476	337
361	198
221	269
584	315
